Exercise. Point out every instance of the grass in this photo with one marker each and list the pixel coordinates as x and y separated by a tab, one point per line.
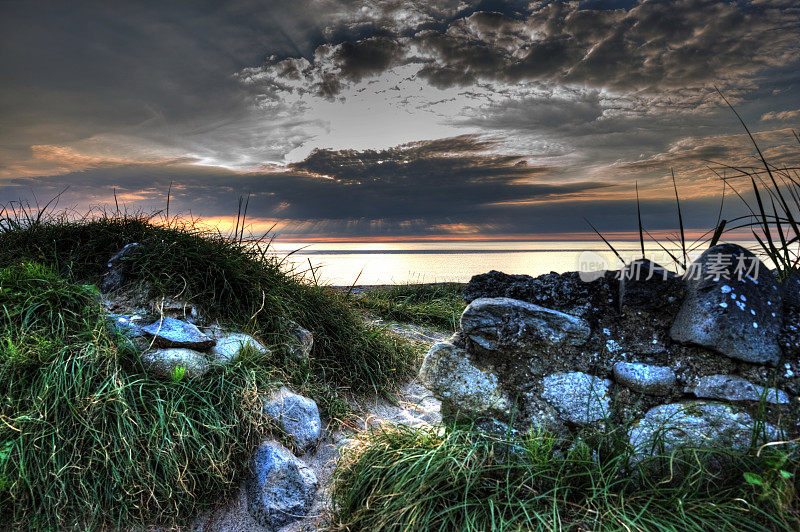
438	305
401	478
235	281
87	439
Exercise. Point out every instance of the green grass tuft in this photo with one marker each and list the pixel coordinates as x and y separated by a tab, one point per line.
438	305
423	479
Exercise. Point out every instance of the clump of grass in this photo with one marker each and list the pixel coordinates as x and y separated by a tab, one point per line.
402	478
439	304
90	441
234	280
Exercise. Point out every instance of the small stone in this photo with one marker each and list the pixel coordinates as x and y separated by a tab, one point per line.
503	324
448	373
579	398
169	332
281	488
644	378
117	271
297	416
163	363
228	345
127	324
301	341
736	389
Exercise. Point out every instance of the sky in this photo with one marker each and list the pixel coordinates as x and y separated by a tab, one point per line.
384	119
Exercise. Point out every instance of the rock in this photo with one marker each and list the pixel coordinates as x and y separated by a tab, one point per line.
281	488
448	373
301	341
578	397
645	285
735	389
644	378
126	324
732	305
228	345
502	324
693	425
790	288
298	416
565	292
169	332
117	270
180	310
162	363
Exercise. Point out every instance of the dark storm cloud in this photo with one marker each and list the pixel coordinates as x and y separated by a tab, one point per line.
423	184
656	45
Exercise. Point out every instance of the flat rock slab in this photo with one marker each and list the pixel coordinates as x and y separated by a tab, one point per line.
510	325
163	363
169	332
297	416
578	397
733	306
736	389
645	378
228	346
693	425
281	488
452	378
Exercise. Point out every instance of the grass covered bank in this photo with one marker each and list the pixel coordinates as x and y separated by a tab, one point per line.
87	439
425	479
437	304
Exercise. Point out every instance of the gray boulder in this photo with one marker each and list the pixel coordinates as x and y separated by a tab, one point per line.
162	363
694	425
169	332
448	373
281	488
736	389
578	397
732	305
297	416
228	345
509	325
645	378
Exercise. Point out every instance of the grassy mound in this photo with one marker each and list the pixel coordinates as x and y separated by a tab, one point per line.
422	479
88	439
236	282
438	305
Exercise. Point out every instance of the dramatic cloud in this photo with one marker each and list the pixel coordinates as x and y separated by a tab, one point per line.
394	117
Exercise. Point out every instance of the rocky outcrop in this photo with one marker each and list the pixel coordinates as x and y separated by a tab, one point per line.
637	348
281	488
118	268
297	416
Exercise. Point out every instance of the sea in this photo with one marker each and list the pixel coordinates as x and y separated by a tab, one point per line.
381	263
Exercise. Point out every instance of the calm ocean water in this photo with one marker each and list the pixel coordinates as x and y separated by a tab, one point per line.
427	262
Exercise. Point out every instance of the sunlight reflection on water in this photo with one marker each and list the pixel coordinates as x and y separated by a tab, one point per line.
427	262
